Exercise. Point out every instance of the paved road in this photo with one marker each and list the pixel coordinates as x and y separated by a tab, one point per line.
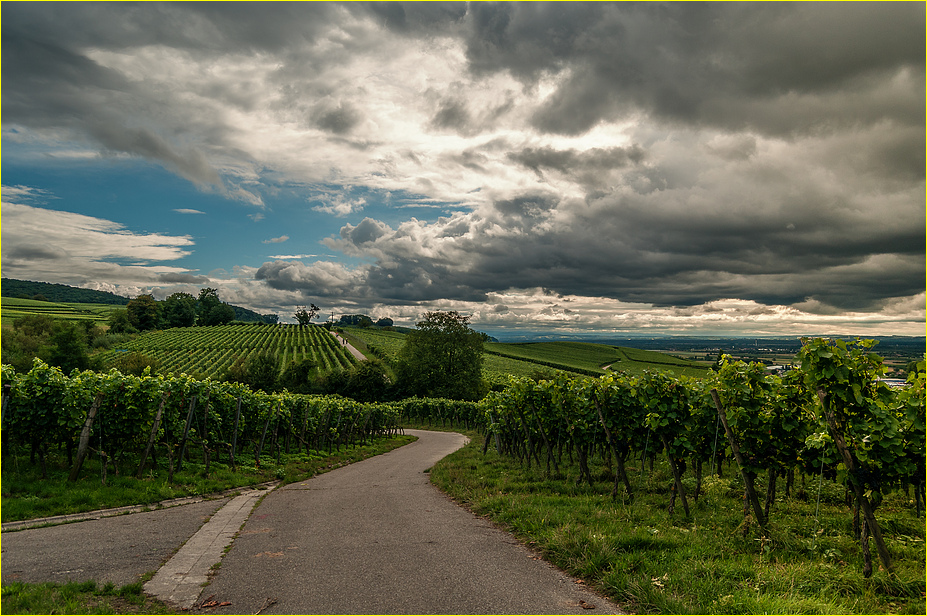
116	549
376	537
357	354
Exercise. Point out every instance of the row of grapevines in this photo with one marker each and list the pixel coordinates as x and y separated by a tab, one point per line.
777	423
44	407
209	351
831	415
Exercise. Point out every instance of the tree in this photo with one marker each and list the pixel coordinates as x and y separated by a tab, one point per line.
367	381
357	320
143	313
179	310
385	322
69	348
135	363
259	371
211	311
263	371
303	316
442	358
297	377
119	322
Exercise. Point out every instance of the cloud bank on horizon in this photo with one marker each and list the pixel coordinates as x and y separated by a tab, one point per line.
671	168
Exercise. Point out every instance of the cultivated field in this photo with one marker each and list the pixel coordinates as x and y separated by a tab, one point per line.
14	308
531	358
208	352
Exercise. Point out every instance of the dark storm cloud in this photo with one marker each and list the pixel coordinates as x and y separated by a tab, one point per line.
777	148
30	253
48	86
454	115
182	279
767	67
340	119
590	168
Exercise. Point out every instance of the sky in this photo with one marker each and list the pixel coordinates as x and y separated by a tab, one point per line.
654	169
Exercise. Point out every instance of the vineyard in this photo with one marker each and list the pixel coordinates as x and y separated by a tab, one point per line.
208	352
831	418
829	430
14	308
124	418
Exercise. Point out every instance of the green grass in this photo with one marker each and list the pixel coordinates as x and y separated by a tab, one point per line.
582	355
14	308
635	361
26	496
650	561
79	598
591	358
375	342
533	358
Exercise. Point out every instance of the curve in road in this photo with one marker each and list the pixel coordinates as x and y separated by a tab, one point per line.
376	537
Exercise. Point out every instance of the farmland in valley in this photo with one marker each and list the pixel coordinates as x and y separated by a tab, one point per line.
530	358
14	308
210	351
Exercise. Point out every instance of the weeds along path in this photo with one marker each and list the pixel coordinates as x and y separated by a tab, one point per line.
376	537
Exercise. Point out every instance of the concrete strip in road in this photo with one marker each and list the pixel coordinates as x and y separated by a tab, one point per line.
108	513
182	578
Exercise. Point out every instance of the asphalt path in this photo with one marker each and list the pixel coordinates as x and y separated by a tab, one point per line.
117	549
375	537
357	354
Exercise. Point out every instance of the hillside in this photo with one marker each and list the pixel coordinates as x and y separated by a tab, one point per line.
19	300
531	358
209	351
14	308
27	289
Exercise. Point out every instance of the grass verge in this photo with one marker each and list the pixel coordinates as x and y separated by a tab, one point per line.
651	561
79	598
26	496
62	497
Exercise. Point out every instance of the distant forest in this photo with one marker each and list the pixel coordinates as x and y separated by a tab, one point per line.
27	289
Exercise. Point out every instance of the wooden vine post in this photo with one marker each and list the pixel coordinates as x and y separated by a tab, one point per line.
153	436
748	477
84	442
235	431
677	477
864	504
186	431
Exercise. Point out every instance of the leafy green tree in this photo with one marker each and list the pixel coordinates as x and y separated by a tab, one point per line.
304	316
144	313
39	325
263	371
442	358
68	348
297	377
211	311
119	322
179	310
367	381
259	371
20	348
358	320
135	363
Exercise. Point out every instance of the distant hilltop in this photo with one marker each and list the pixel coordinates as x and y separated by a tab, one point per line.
62	293
27	289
